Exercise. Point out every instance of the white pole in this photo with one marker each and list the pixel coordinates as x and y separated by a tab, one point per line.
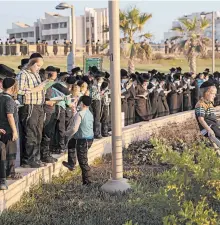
117	183
213	42
73	32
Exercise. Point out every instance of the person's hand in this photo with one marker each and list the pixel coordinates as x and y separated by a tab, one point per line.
15	136
211	132
50	103
2	131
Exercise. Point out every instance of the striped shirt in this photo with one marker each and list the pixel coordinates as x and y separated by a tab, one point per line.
28	80
206	110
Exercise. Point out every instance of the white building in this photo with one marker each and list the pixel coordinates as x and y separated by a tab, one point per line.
22	31
208	31
54	26
96	20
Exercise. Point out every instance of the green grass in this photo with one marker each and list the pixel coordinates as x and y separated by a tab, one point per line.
65	201
161	65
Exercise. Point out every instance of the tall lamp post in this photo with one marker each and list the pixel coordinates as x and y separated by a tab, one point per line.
63	6
203	15
117	183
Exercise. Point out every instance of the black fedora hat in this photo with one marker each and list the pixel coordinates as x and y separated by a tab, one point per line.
23	62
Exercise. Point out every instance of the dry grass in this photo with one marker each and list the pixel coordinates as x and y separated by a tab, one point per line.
162	65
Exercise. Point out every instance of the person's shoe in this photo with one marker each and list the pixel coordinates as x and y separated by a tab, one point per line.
38	164
106	135
67	165
98	136
49	159
3	185
87	183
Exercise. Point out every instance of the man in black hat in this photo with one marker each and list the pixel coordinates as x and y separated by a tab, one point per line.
49	110
61	108
76	71
95	93
125	86
8	138
105	107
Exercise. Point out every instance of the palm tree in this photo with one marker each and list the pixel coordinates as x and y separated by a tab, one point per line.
132	23
191	39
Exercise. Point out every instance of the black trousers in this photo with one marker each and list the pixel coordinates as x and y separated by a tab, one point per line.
58	141
2	161
8	150
48	131
80	147
96	111
104	119
31	121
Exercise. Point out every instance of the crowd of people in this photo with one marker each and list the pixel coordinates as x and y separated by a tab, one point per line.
50	111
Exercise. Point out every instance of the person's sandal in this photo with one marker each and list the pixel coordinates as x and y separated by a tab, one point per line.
15	176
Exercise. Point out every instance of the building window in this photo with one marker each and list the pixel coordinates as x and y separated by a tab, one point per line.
55	25
18	35
47	37
63	36
47	26
25	35
63	25
11	36
55	36
31	34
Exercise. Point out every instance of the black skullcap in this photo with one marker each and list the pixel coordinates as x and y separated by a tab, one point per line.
51	69
107	75
207	70
124	73
153	71
207	84
216	74
36	55
86	79
133	76
179	69
23	62
8	82
104	85
86	100
75	70
70	80
93	69
80	82
57	69
172	70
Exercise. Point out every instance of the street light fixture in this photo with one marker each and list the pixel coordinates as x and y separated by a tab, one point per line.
203	15
63	6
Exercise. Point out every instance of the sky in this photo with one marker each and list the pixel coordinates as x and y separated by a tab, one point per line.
163	12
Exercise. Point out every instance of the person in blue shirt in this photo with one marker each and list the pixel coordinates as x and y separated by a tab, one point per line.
81	137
